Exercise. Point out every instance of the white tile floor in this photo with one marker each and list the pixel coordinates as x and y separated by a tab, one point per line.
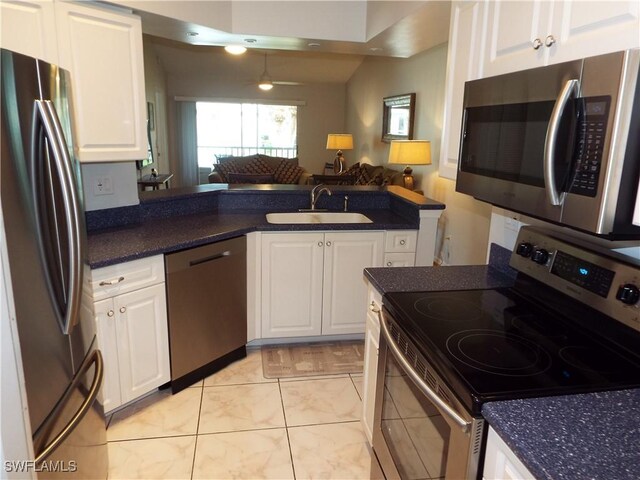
238	424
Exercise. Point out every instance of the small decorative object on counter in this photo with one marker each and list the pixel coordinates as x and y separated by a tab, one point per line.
154	173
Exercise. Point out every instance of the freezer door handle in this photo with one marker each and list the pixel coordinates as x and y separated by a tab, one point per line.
93	358
63	266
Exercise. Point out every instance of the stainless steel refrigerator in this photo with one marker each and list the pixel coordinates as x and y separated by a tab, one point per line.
43	214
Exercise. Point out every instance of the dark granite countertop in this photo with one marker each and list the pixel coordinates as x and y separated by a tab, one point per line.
587	436
170	220
165	235
468	277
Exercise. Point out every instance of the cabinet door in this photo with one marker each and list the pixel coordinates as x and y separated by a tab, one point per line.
371	344
143	343
292	284
464	62
512	27
106	318
501	463
29	28
345	292
595	28
103	51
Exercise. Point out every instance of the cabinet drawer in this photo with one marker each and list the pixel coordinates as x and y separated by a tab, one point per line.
126	277
401	241
399	259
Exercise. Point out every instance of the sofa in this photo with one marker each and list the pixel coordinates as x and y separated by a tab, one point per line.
259	168
365	174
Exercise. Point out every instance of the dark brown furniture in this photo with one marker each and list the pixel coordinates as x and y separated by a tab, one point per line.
333	179
155	182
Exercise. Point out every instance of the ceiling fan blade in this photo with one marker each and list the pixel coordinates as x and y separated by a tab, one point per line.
282	82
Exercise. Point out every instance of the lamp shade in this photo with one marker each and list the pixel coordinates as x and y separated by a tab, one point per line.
339	141
410	152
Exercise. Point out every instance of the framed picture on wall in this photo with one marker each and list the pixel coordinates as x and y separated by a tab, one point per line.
397	117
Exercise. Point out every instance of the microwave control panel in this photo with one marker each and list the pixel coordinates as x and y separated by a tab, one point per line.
592	127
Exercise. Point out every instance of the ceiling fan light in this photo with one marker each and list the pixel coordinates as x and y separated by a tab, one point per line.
235	49
265	85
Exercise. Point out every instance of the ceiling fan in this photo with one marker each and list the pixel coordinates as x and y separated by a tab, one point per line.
266	83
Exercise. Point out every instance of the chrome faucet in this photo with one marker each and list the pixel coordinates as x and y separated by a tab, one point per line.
316	193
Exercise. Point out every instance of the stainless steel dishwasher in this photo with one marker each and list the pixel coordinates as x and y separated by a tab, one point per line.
207	306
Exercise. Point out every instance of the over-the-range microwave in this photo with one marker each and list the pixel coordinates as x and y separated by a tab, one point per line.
560	143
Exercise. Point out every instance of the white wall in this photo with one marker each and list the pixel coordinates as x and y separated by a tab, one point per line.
463	229
123	177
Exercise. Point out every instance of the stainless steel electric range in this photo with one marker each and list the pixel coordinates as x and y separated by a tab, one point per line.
570	324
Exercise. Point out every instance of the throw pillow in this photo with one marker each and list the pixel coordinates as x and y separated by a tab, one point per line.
225	168
287	172
250	178
258	166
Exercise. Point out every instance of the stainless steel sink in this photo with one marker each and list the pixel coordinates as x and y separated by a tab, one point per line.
317	217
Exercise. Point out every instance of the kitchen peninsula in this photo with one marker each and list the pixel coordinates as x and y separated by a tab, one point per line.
171	220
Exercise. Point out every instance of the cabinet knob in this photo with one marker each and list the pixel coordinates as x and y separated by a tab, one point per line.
402	242
123	309
320	244
110	313
328	244
389	264
550	40
536	43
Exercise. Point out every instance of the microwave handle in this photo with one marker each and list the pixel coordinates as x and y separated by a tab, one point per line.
419	382
571	88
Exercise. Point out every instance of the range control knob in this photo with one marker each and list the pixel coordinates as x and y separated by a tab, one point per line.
628	294
524	249
540	256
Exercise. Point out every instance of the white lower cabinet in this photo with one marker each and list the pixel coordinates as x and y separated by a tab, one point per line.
400	248
312	282
371	344
500	463
132	332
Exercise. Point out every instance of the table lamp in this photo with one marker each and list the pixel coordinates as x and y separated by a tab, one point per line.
410	152
339	141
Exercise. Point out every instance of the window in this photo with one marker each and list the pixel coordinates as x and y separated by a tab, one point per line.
240	129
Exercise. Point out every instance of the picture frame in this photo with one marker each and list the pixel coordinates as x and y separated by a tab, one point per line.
398	113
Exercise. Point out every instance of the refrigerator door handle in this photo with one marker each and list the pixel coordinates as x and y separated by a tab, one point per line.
94	358
45	114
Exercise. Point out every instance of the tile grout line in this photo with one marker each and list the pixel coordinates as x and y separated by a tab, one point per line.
286	429
195	446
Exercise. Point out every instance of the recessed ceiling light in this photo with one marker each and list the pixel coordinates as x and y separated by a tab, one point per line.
192	34
250	40
313	45
235	49
375	49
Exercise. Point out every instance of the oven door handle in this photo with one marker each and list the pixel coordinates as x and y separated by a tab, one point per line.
424	388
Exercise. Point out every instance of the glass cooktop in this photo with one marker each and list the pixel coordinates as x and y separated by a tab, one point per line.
495	345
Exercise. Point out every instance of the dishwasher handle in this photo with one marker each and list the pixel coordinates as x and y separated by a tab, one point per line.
210	258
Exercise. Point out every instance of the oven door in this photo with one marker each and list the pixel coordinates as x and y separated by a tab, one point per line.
418	433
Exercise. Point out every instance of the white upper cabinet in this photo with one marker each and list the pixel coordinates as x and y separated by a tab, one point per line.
528	34
103	51
29	28
593	28
464	63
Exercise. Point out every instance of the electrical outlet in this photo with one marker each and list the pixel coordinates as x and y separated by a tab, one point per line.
103	185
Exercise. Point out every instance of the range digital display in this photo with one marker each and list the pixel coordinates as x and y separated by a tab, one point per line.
584	274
